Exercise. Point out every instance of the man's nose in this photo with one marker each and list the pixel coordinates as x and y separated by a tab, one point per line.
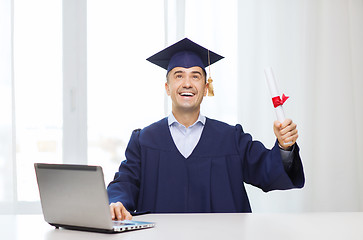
187	83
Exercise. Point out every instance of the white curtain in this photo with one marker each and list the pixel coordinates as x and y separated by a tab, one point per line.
315	49
316	52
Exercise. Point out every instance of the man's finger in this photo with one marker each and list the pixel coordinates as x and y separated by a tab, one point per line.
112	211
286	123
288	128
117	210
125	214
277	124
291	137
289	133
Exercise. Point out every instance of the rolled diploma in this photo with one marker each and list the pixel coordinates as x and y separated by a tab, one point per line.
274	93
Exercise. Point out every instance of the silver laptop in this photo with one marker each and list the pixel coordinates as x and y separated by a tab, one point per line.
75	197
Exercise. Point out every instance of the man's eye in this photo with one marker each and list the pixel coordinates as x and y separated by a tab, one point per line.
179	76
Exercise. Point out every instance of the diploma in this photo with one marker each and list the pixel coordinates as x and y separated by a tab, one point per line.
275	95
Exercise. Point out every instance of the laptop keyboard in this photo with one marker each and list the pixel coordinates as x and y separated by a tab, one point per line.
121	223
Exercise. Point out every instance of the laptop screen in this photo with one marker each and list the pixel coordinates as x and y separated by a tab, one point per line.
73	195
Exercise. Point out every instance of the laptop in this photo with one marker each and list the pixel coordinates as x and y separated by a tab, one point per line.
75	197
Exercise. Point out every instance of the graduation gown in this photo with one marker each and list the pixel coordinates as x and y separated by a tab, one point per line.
156	177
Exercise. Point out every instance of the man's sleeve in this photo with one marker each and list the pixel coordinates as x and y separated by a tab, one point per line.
287	157
125	186
264	168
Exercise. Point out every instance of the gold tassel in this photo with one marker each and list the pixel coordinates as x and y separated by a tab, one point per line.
210	87
210	80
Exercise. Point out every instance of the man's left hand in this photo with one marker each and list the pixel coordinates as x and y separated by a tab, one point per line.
286	133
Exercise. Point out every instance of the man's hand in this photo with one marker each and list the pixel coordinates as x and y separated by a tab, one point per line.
119	212
286	133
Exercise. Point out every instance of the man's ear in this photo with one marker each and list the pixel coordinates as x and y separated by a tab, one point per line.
167	89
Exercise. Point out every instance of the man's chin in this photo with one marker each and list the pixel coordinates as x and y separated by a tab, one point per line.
188	108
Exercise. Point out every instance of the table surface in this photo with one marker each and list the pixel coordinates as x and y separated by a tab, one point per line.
338	225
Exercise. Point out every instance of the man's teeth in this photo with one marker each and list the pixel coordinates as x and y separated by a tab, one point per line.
187	94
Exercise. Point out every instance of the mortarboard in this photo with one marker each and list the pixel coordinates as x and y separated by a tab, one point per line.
186	53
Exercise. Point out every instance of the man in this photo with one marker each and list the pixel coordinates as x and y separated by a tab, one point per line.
189	163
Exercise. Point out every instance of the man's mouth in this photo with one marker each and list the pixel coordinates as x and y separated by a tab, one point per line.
186	94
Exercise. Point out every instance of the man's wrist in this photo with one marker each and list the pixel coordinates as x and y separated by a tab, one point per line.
285	148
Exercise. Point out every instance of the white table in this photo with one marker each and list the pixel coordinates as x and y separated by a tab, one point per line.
203	226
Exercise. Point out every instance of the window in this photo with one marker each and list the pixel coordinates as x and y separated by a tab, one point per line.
37	89
125	92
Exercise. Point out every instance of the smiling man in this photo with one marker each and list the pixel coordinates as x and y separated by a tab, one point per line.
190	163
186	87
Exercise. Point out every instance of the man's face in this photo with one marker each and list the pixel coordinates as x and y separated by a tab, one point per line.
186	87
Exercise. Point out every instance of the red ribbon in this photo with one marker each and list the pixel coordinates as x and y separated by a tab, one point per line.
277	101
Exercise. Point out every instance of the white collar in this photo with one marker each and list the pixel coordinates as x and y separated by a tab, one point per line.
172	119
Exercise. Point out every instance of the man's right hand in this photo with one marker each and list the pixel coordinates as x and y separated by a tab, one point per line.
119	212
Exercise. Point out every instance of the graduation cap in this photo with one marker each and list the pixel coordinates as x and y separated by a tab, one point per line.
186	54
